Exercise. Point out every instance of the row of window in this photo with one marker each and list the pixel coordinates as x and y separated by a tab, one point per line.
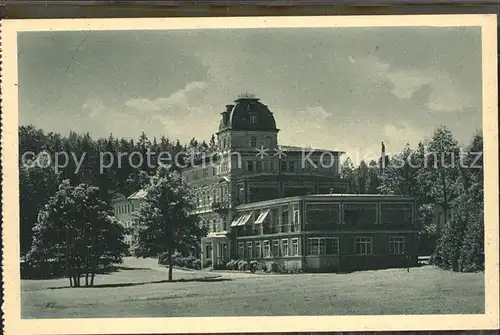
270	216
208	171
214	225
320	216
205	172
208	195
260	166
316	246
266	249
286	166
121	209
359	214
252	142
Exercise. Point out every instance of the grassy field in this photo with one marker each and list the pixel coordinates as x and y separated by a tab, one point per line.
144	292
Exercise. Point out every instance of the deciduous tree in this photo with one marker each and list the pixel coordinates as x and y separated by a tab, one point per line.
76	229
164	220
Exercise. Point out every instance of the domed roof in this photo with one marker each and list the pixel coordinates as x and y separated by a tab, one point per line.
248	113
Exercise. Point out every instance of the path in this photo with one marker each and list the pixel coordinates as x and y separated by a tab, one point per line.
152	263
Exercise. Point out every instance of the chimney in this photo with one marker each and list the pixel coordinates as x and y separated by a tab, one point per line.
382	157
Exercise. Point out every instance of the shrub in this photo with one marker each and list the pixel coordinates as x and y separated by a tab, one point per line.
196	264
472	249
179	260
291	269
232	265
272	267
255	266
242	265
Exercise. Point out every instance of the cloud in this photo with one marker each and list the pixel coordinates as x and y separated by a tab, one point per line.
192	94
445	94
397	135
306	127
346	89
94	108
407	82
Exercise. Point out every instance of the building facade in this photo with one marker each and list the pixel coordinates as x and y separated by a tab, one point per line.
335	232
250	166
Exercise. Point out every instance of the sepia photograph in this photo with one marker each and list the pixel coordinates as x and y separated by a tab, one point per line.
183	169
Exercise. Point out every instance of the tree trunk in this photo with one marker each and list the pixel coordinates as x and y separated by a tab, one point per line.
93	270
170	265
86	278
445	198
70	276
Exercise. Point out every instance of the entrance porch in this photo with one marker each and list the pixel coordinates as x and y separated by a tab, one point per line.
216	248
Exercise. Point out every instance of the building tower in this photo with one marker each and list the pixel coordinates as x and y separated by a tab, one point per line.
247	124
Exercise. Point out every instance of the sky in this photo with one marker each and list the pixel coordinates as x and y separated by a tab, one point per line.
332	88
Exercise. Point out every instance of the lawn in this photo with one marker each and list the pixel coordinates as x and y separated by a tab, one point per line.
144	292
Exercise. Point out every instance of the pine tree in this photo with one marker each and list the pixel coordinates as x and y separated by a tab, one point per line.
347	173
361	177
36	185
373	179
461	245
399	176
440	170
472	249
212	145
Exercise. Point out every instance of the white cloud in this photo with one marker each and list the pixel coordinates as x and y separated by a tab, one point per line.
306	127
397	135
446	95
144	104
407	82
94	108
190	95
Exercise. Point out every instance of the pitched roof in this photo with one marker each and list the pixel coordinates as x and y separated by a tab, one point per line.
141	194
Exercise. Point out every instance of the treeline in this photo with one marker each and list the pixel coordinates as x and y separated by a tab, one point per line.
39	183
444	178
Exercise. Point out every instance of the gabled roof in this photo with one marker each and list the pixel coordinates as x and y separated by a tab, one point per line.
141	194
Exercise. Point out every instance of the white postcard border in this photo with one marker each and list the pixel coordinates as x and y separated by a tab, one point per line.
10	191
